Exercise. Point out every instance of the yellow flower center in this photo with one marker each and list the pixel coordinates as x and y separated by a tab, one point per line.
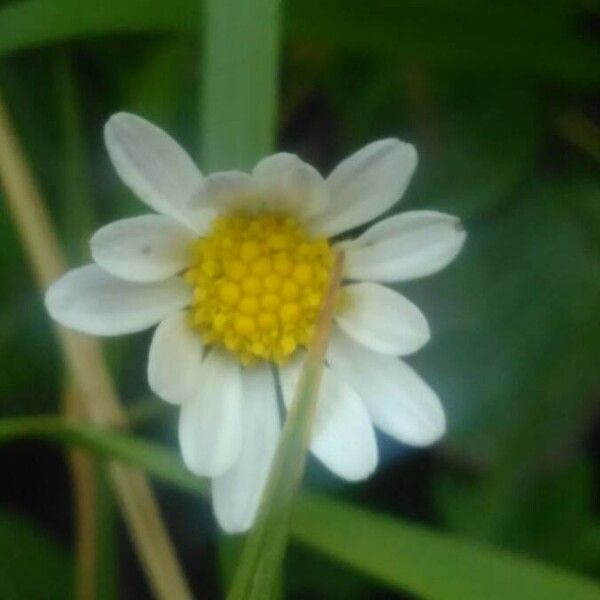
259	282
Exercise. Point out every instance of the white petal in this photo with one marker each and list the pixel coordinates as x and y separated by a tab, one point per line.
382	319
210	423
147	248
227	190
400	403
292	185
174	359
407	246
236	495
152	164
343	437
92	301
201	219
366	184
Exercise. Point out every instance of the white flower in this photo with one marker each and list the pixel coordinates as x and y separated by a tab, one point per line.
233	269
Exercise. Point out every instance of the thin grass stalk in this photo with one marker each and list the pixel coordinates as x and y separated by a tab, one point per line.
76	220
258	575
88	370
83	477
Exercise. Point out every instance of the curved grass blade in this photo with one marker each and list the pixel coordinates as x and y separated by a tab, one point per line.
544	44
427	563
33	23
398	554
157	460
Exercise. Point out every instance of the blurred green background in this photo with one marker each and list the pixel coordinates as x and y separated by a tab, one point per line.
501	99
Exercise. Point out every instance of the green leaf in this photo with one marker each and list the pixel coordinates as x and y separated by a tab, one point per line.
547	514
488	136
33	565
519	309
544	39
477	137
398	554
161	462
239	82
430	564
471	35
33	23
76	218
159	86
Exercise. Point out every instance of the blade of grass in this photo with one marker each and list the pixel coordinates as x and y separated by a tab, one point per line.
87	369
398	554
544	44
257	573
76	220
83	478
427	563
160	461
239	81
32	23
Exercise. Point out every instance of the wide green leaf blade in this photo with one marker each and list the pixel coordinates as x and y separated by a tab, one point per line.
33	23
399	554
434	565
544	41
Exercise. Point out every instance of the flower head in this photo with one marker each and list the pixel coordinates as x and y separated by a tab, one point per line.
233	270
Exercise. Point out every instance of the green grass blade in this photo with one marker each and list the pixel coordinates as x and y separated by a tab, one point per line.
33	23
257	574
544	43
77	208
401	555
429	564
239	81
161	462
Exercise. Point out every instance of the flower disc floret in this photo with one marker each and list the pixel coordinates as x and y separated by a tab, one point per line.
259	282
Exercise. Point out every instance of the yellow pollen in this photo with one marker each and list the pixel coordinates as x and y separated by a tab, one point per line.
289	313
259	282
289	290
261	267
235	270
272	282
303	273
244	325
251	285
249	305
270	301
283	265
229	293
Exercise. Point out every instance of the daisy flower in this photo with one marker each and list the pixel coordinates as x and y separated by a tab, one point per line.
233	268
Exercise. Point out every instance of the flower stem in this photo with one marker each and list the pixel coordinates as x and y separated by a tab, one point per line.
259	568
88	370
82	468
